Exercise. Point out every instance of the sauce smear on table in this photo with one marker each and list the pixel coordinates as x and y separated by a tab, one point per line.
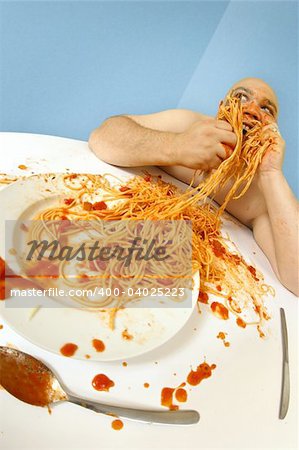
102	383
167	398
203	371
117	424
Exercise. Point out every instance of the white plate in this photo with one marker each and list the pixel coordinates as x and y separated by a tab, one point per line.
52	327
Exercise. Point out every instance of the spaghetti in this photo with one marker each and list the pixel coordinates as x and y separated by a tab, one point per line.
223	271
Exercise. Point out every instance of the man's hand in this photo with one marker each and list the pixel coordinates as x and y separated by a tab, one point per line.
200	146
273	159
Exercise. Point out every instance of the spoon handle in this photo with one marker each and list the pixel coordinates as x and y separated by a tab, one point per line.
187	417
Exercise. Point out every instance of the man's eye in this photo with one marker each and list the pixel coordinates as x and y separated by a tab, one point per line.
267	110
243	97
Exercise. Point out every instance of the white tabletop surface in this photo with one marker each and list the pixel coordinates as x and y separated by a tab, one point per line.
238	404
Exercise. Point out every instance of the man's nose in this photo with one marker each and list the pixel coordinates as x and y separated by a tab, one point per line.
252	109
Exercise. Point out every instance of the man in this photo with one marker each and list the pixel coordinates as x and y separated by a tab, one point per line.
180	141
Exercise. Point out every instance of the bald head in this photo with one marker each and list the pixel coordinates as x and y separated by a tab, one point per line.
258	91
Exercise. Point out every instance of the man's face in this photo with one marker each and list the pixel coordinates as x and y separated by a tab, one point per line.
258	99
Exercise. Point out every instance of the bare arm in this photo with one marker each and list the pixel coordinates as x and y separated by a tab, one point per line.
173	137
277	230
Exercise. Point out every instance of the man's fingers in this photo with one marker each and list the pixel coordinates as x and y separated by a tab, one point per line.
223	125
226	137
223	151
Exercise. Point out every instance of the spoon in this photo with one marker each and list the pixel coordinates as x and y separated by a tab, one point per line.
31	381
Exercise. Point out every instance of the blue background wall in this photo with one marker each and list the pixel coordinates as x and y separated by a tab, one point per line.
65	66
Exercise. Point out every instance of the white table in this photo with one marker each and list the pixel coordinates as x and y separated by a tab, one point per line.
238	404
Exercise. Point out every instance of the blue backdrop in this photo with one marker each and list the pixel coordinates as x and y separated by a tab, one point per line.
65	66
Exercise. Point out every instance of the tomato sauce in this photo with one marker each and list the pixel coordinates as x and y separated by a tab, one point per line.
219	310
117	424
203	297
203	371
69	349
241	323
181	395
126	335
167	398
102	383
98	345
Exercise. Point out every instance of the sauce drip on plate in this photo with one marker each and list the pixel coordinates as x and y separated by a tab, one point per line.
219	310
98	345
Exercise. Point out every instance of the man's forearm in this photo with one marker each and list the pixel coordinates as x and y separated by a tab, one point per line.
123	142
282	208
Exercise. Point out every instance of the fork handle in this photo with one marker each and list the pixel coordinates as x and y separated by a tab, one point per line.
185	417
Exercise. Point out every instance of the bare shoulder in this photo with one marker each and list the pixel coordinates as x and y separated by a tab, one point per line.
174	120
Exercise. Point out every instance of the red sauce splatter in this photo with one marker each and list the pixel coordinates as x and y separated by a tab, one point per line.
233	305
218	248
117	424
98	345
167	398
22	167
87	206
236	258
124	363
146	385
124	188
252	270
181	395
221	335
12	281
220	310
87	356
126	335
1	327
68	201
203	297
98	206
69	349
241	323
203	371
83	278
102	383
219	288
148	178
